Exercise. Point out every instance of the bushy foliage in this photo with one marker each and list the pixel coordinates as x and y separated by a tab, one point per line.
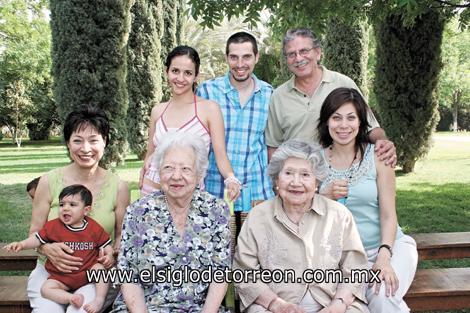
345	49
89	62
169	38
144	80
25	58
44	116
18	103
408	65
267	67
454	80
464	120
182	17
445	118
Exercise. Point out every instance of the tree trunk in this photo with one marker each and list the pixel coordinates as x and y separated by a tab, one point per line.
409	166
456	97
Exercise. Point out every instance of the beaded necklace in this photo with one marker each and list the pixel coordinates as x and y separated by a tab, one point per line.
165	199
351	168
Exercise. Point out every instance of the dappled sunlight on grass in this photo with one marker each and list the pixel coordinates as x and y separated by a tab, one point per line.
430	207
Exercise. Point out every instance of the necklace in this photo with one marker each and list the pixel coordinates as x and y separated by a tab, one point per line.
351	169
165	199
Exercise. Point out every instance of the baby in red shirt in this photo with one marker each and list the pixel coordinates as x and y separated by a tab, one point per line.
85	237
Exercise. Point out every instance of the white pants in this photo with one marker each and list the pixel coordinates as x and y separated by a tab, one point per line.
40	305
404	262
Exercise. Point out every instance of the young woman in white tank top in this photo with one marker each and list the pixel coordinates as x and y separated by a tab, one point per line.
187	113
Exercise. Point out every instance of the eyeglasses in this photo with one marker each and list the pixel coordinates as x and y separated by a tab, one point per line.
301	52
169	170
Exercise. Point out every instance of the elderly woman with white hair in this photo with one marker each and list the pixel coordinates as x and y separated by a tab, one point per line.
303	232
179	230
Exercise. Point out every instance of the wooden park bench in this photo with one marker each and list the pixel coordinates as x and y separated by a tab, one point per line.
441	288
432	289
13	297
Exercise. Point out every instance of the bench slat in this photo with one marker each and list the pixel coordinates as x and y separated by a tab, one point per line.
17	261
430	247
13	296
439	289
438	246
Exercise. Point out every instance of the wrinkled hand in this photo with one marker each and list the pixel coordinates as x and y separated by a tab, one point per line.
281	306
387	275
143	171
106	259
334	307
14	246
386	151
336	190
60	256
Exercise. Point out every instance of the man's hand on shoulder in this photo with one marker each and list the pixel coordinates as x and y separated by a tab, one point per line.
386	151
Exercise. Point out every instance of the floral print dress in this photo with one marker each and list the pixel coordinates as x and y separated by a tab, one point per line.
151	243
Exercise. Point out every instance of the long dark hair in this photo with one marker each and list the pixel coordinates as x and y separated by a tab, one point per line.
336	99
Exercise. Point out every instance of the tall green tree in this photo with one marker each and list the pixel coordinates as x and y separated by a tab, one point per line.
19	105
25	57
44	113
144	78
169	38
346	49
180	21
89	62
454	81
407	71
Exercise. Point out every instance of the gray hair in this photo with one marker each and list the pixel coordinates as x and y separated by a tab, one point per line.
183	140
291	34
295	148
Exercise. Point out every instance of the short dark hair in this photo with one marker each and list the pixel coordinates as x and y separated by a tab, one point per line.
83	191
336	99
242	37
32	184
184	50
87	115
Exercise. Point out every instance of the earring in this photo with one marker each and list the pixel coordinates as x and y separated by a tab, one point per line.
277	188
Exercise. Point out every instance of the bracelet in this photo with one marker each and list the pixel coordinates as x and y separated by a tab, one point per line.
386	247
232	179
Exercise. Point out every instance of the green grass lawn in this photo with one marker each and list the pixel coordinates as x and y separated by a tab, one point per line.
434	198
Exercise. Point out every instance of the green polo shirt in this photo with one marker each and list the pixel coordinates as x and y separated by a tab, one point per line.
293	114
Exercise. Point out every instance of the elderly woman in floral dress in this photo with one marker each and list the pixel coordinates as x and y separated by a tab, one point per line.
181	228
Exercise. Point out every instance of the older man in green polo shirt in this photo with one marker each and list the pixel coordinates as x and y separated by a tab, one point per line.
295	105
